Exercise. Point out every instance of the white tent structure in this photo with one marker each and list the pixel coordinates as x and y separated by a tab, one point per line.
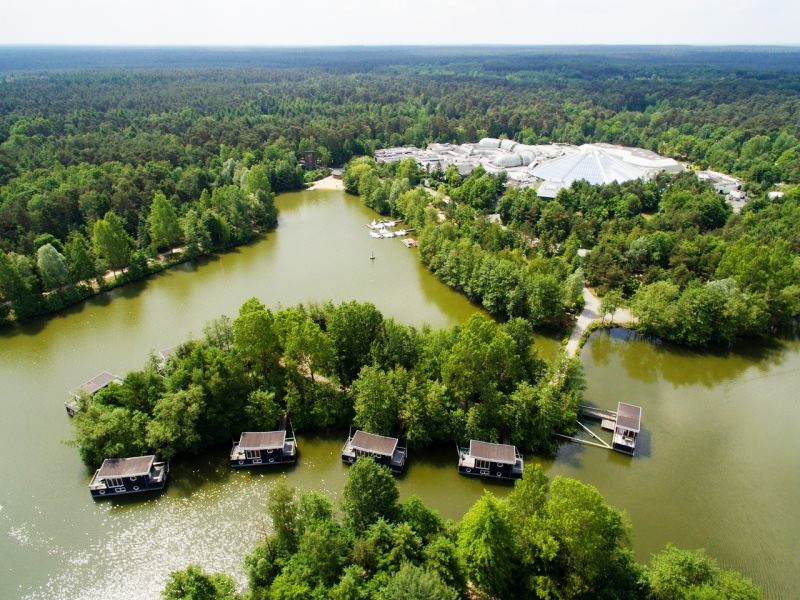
600	164
591	164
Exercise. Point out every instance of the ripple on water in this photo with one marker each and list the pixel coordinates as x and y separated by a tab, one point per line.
214	527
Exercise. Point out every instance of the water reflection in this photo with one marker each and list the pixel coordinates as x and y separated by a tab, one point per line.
649	360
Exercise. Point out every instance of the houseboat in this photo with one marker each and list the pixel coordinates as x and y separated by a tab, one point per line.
385	450
90	388
627	427
164	355
485	459
122	476
259	448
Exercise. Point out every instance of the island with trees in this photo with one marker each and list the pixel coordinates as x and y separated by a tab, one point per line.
328	366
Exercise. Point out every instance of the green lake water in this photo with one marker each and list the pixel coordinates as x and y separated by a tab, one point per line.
717	464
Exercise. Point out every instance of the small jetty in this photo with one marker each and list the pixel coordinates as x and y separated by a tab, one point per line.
123	476
495	461
264	448
385	450
625	423
382	229
90	388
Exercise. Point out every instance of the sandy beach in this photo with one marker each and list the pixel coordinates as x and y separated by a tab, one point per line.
328	183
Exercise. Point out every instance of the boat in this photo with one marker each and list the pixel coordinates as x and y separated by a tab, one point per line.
374	234
627	428
264	448
494	461
123	476
384	450
90	388
382	224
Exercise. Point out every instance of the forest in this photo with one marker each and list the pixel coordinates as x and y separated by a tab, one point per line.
328	366
548	539
98	149
115	163
691	269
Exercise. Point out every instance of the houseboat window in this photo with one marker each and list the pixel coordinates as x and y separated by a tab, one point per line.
113	482
252	453
481	464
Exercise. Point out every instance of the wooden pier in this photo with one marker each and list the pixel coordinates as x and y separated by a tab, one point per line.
597	414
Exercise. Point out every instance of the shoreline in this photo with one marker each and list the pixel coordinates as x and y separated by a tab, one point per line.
327	183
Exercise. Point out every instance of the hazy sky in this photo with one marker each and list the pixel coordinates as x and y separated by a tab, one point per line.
332	22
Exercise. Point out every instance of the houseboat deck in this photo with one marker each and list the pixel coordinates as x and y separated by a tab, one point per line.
625	423
629	421
263	448
122	476
385	450
486	459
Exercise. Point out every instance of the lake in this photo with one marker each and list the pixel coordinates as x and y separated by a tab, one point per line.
716	467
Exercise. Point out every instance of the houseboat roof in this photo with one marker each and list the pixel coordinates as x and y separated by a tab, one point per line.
369	442
166	353
498	453
629	416
97	383
257	440
126	467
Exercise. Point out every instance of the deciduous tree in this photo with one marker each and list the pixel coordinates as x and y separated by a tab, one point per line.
369	494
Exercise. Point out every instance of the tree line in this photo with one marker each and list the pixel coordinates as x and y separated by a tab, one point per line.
69	226
77	144
691	269
548	539
329	366
731	110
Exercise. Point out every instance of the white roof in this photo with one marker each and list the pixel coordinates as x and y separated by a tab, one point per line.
549	189
591	164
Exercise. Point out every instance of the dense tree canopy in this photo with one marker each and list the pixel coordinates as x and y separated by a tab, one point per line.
556	540
693	271
481	380
215	144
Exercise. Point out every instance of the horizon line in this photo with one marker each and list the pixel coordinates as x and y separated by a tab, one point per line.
794	45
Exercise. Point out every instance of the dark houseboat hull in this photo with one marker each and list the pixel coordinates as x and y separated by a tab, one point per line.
349	459
489	474
263	462
270	454
122	491
155	480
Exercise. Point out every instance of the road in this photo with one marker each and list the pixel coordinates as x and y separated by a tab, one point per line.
590	314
